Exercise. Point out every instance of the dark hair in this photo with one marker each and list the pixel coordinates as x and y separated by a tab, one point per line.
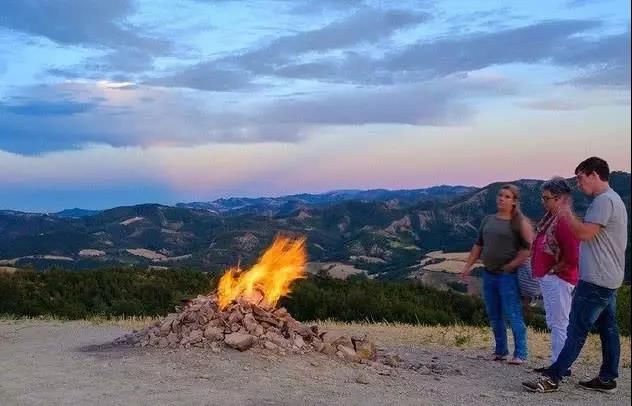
594	164
558	186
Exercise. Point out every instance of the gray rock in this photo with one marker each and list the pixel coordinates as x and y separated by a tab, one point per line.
362	379
348	353
239	341
214	333
195	336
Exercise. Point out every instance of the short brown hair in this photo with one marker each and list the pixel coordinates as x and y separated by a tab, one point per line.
594	164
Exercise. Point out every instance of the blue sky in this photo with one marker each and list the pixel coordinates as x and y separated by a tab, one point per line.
104	103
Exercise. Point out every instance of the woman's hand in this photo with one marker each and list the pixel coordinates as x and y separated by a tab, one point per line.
557	268
465	274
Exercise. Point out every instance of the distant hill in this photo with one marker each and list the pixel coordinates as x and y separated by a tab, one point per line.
287	204
385	233
75	213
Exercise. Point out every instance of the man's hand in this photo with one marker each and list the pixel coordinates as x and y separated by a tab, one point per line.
557	268
565	210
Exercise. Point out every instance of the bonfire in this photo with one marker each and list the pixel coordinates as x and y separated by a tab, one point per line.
243	314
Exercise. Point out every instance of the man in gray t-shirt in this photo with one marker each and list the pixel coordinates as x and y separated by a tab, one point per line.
603	235
602	258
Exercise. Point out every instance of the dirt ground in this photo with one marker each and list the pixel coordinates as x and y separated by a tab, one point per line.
67	363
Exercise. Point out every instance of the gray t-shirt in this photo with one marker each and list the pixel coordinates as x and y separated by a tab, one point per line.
499	242
602	259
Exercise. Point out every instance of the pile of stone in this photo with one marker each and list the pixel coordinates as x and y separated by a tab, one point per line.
243	325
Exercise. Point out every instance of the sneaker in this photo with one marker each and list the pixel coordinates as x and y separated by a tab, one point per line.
542	385
516	361
599	385
497	357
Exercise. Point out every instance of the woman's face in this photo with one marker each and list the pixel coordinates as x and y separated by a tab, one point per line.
505	200
550	201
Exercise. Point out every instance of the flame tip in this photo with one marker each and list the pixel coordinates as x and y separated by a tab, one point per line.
270	278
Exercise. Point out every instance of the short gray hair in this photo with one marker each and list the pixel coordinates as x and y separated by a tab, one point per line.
557	185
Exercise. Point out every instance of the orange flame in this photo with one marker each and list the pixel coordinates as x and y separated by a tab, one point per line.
269	279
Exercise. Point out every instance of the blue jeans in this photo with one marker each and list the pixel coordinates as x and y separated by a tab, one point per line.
592	306
502	302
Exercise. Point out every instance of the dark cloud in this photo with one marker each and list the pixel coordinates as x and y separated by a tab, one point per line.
46	108
311	7
531	44
363	27
88	23
123	59
77	22
437	102
605	60
553	105
559	42
174	119
302	6
206	76
617	76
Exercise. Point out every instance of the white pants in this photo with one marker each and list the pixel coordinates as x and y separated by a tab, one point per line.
557	297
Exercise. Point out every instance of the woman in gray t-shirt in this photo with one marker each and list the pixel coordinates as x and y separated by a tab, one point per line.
503	244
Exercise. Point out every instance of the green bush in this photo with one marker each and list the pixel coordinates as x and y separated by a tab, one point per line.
113	292
135	292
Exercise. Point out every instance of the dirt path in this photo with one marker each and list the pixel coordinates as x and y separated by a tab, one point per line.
53	363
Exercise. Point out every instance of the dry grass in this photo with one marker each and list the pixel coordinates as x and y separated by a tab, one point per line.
454	256
449	266
398	334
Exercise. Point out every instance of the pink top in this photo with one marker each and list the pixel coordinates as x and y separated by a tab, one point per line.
542	262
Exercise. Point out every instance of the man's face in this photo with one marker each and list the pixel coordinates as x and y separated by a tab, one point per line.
586	183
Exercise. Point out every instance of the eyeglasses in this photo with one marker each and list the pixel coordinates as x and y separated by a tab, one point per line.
547	198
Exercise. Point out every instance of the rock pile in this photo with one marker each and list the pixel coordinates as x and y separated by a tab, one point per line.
243	325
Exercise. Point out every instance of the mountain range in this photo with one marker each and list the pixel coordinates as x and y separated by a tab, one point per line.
384	232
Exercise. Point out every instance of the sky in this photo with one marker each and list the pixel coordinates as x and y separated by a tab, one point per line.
120	102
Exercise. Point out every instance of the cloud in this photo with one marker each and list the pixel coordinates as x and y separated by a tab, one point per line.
144	116
606	60
555	42
206	76
554	105
77	22
87	23
603	61
47	108
365	26
437	102
80	114
304	6
530	44
311	7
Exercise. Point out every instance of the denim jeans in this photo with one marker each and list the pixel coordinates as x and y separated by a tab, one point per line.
592	306
502	302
